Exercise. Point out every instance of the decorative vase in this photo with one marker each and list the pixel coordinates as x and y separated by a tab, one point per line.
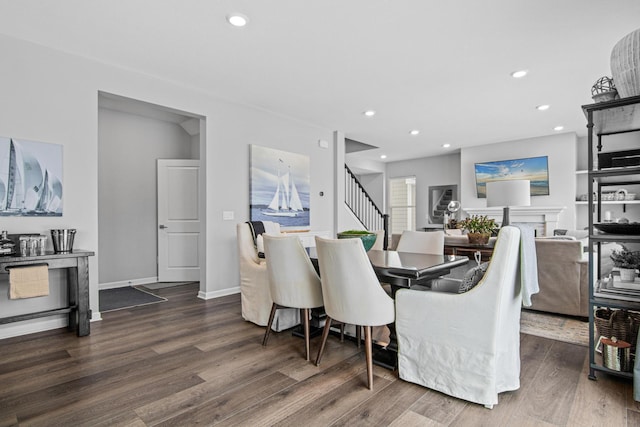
368	239
478	238
627	274
625	64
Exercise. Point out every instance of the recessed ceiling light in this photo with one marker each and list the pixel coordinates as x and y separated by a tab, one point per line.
446	145
414	132
383	156
519	74
542	107
558	128
237	19
369	113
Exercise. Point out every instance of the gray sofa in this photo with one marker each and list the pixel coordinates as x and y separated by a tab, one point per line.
563	274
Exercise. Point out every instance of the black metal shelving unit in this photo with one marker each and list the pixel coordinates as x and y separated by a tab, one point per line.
606	119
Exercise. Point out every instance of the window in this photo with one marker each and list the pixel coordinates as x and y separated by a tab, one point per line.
402	203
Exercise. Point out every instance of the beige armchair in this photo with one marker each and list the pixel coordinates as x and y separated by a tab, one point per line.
254	286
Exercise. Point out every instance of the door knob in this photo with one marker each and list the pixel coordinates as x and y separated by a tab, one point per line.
162	227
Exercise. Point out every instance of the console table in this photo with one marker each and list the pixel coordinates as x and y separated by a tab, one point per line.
77	265
467	249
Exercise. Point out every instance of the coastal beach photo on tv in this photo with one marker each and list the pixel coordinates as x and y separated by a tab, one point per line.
30	178
280	187
534	169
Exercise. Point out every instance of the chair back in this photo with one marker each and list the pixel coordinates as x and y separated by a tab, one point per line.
293	281
246	246
378	245
423	242
352	293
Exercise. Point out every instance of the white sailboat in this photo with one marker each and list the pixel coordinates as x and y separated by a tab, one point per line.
286	201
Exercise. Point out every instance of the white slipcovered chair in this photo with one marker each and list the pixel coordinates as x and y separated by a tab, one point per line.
466	345
422	242
351	292
378	245
254	285
293	280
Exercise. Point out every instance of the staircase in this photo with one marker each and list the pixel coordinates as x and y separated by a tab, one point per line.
363	207
437	216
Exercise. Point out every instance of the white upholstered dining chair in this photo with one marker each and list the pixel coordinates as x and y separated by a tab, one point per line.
466	345
293	281
423	242
351	292
255	296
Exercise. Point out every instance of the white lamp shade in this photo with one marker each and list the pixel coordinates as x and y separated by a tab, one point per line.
514	192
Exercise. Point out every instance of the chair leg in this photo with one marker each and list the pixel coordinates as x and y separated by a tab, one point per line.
368	350
274	307
342	332
304	312
358	335
325	334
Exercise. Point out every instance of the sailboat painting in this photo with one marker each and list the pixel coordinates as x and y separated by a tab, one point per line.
279	187
30	178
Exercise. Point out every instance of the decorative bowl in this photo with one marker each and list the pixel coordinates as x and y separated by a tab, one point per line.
367	238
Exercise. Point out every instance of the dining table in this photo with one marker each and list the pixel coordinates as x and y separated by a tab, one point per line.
403	270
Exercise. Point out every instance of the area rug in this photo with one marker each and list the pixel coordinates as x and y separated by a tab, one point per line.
163	285
556	327
128	297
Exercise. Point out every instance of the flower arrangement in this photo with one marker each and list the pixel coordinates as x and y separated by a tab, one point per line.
625	258
478	224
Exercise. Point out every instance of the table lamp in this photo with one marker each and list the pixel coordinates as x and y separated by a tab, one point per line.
513	192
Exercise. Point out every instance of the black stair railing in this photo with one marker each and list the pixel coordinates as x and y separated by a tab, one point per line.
363	207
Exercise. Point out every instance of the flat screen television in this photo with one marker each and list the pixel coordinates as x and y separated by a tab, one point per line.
535	169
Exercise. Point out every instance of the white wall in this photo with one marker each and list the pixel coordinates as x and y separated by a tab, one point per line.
561	152
429	171
128	147
52	97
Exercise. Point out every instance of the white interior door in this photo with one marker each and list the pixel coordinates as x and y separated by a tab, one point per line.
178	220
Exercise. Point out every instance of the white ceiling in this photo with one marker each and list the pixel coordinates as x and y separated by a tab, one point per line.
438	66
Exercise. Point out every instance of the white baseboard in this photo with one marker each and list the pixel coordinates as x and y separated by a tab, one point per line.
219	294
126	283
32	326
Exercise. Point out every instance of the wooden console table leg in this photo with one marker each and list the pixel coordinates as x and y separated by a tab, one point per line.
72	289
81	279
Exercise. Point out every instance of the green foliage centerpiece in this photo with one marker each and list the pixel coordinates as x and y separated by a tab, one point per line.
367	237
479	228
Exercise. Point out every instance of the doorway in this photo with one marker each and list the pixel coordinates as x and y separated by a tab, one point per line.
132	135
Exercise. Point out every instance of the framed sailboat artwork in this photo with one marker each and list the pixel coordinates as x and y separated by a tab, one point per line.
280	184
30	178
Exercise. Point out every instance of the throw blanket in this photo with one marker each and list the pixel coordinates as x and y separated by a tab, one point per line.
257	229
528	263
28	282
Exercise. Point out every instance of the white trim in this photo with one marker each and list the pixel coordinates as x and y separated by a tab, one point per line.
34	325
547	215
219	294
125	283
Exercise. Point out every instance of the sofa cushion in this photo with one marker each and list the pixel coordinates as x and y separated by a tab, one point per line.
472	277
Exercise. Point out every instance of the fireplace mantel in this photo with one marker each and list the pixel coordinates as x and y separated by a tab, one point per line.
546	216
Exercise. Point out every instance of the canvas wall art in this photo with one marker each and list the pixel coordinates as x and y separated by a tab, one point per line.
30	178
535	169
280	183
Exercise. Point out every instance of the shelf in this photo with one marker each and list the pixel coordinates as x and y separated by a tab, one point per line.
597	367
610	202
609	237
617	116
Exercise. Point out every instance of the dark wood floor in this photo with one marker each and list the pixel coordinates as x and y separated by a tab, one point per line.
188	361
